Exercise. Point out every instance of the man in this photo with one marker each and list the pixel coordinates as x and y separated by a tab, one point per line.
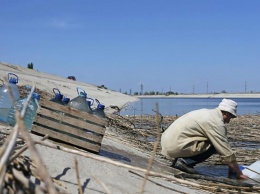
195	136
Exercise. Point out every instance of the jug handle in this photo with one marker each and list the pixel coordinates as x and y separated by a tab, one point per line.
79	90
97	101
9	76
92	101
56	89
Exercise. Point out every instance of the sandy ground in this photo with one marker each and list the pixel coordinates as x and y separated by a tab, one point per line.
67	87
93	173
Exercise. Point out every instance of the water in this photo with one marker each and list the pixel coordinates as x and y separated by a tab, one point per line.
4	114
245	145
29	114
5	100
80	102
99	111
180	106
222	171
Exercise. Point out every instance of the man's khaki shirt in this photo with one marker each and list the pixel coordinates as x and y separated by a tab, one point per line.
194	133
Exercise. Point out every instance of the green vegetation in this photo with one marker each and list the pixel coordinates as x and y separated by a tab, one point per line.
30	66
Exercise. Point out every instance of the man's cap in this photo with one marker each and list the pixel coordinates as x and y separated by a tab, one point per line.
228	106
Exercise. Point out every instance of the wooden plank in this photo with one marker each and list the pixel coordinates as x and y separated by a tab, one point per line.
70	130
70	120
66	139
74	112
69	126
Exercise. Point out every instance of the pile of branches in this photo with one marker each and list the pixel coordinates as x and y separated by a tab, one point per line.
19	174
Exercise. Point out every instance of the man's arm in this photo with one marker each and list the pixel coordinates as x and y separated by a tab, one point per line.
235	168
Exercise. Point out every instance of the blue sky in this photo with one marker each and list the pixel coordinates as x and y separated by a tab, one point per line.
184	46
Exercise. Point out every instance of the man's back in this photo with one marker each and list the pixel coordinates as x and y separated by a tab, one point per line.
188	135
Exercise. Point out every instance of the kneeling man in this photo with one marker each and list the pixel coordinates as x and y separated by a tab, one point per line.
195	136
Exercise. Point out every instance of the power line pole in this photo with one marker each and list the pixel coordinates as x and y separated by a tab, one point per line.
207	88
245	86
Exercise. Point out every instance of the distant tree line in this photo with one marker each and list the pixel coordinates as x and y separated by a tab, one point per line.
151	93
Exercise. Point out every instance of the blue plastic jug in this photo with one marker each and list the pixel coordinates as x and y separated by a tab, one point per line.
5	100
30	112
58	98
65	101
252	171
99	111
80	102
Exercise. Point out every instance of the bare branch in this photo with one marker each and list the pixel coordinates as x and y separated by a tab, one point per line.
77	173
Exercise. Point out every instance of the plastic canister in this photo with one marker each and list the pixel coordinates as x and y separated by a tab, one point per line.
80	102
65	100
5	100
252	171
58	96
30	112
99	111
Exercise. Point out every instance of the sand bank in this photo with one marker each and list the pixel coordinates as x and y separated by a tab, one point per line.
68	88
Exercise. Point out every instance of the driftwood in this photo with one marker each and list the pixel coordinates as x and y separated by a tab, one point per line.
153	152
77	173
102	184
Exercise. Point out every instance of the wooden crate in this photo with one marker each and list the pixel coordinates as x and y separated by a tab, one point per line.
68	126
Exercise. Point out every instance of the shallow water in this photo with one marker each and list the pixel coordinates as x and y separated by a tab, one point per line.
246	145
180	106
221	171
135	160
113	155
207	170
241	145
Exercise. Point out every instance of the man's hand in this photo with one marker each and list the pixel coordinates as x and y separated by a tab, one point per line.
242	176
233	167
